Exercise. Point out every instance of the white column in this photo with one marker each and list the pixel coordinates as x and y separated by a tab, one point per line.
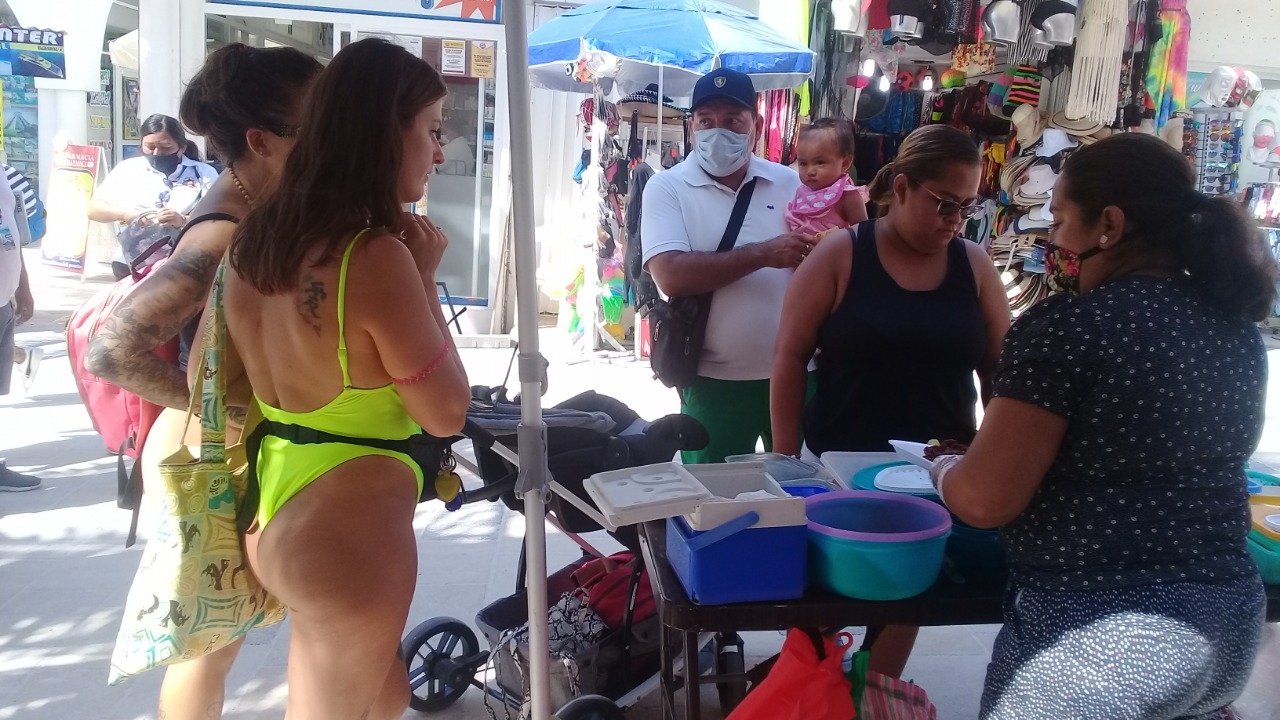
171	48
63	105
159	69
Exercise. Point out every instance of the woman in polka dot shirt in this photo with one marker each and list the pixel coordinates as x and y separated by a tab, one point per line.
1113	453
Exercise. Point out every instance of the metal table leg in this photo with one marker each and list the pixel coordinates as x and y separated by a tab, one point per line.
692	689
667	674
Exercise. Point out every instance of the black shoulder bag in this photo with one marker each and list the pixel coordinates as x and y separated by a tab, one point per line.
677	327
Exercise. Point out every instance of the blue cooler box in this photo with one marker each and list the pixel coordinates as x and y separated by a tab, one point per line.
738	563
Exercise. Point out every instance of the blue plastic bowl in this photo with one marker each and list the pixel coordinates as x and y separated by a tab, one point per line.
805	491
875	545
974	552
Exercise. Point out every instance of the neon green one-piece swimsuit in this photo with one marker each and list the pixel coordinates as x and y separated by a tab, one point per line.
284	469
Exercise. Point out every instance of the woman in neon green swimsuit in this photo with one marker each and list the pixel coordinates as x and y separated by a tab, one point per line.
332	311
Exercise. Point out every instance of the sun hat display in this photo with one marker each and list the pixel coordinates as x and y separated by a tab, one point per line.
1029	124
1013	172
1075	127
1044	212
1055	140
1002	22
645	103
1031	223
1037	184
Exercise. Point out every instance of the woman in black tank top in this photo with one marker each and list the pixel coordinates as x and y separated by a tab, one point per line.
900	313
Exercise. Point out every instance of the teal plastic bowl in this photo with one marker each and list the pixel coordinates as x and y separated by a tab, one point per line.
876	545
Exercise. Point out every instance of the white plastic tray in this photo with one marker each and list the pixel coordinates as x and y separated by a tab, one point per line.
655	492
728	481
640	494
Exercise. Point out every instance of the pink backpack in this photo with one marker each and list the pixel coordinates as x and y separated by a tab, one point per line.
122	418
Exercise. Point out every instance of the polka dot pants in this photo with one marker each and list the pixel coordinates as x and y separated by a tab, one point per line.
1157	652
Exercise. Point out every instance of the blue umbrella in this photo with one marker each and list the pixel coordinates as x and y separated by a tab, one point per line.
635	41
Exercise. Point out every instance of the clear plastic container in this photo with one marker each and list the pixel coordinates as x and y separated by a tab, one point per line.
782	468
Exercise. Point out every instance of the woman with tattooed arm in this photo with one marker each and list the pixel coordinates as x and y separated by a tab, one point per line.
245	102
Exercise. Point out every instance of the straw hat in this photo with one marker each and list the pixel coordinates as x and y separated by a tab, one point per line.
645	103
1030	123
1075	127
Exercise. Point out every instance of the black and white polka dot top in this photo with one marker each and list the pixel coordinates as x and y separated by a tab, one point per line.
1165	399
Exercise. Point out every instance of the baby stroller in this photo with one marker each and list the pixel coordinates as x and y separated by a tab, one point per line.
587	434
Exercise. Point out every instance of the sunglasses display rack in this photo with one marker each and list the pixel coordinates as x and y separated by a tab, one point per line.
1212	144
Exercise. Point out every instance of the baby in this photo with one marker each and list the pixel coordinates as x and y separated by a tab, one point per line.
828	200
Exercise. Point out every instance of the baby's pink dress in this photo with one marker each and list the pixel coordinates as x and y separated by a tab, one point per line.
816	211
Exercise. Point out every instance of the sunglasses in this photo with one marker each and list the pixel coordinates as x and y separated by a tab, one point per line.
284	131
950	207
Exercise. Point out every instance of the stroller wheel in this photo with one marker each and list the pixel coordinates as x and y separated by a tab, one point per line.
442	656
591	707
730	661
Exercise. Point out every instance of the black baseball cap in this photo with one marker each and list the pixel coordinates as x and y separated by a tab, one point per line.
725	84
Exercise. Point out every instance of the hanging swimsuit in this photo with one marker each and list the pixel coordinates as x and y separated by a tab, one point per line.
285	468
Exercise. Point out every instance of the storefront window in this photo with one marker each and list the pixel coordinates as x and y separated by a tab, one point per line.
461	191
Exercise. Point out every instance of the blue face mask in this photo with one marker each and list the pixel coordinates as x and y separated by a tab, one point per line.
722	153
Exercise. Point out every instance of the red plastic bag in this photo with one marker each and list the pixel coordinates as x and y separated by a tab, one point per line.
802	685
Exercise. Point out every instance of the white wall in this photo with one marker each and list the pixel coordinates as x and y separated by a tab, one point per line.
1245	33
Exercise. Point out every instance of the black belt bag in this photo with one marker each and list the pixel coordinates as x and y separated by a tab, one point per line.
431	453
678	327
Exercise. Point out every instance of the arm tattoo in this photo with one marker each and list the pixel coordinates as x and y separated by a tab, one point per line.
237	415
123	351
314	295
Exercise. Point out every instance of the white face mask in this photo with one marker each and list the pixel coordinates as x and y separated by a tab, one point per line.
721	152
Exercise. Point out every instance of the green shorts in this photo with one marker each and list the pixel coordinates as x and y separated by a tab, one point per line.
735	413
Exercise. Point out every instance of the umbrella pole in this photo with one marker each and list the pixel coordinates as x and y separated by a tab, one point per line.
660	109
531	435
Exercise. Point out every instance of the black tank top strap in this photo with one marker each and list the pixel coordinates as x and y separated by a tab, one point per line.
959	269
866	275
207	217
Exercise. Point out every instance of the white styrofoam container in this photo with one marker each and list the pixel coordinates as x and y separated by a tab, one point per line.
703	494
727	482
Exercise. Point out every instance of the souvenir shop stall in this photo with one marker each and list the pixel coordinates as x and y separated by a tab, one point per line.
641	137
638	60
1032	81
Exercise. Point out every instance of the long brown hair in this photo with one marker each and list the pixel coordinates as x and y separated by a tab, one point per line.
240	88
342	175
1169	225
926	154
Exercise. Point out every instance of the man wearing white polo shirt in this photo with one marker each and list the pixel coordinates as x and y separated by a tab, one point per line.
685	212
